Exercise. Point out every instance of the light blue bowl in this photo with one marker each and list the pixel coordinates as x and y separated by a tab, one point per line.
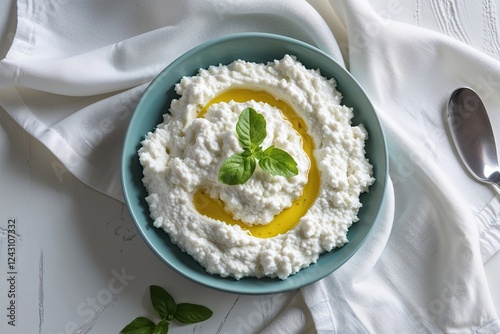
256	47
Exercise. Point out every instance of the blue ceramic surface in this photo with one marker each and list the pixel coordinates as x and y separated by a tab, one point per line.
256	47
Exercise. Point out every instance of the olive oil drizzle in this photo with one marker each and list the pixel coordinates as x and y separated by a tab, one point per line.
289	217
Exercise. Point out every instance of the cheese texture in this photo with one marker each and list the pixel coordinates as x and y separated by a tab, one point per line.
182	156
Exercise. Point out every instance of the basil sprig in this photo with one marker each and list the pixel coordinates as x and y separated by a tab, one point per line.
251	131
166	307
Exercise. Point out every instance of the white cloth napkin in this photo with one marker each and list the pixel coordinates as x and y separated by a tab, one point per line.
75	71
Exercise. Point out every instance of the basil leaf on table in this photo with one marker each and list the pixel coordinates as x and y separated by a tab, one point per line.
162	302
161	327
167	309
192	313
139	325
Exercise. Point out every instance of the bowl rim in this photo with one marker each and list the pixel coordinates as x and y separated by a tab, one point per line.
127	192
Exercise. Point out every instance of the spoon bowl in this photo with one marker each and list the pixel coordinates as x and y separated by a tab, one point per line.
471	131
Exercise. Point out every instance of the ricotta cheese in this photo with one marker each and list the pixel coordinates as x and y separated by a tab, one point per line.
184	153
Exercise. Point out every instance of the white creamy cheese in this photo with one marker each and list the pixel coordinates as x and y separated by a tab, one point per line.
185	152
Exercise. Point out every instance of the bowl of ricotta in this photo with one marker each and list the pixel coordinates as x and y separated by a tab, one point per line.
254	163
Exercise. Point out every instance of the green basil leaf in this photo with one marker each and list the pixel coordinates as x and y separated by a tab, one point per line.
251	129
278	162
237	169
161	327
139	325
162	301
192	313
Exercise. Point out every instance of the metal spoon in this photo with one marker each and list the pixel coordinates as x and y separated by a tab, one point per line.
472	134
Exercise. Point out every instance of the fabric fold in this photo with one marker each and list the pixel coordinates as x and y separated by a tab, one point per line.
74	85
